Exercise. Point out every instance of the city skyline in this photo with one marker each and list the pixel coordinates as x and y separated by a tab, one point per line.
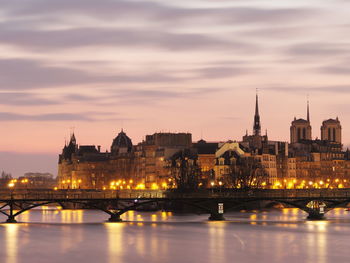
149	66
32	159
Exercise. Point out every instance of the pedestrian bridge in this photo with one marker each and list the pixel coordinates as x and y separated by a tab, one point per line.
215	202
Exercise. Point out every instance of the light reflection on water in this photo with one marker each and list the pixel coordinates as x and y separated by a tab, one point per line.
47	235
11	236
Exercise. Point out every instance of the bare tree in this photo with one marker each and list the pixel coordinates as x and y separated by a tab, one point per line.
247	173
185	171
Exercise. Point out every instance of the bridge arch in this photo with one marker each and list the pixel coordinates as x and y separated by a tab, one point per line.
300	204
12	215
114	214
138	204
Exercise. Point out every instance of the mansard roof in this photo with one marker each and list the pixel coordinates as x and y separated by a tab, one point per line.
204	147
83	149
121	141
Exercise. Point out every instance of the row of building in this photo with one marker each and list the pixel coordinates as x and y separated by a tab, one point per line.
303	163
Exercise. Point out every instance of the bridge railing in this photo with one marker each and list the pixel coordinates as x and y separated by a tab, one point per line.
67	194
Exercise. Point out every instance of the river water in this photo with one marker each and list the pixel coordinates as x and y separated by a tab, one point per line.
48	235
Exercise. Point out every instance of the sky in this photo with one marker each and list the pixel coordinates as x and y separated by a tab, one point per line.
165	66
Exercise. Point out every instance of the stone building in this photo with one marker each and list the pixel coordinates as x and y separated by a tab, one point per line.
301	129
319	162
304	162
331	131
206	158
226	157
125	166
152	156
87	167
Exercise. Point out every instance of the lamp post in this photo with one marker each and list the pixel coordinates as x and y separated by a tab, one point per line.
11	185
11	218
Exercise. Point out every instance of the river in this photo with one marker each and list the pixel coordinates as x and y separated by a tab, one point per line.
47	235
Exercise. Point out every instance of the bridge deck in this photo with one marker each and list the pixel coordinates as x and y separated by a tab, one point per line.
79	194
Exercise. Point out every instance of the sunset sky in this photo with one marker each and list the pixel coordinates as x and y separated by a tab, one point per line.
157	65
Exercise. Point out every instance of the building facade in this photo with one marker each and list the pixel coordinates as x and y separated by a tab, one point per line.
303	163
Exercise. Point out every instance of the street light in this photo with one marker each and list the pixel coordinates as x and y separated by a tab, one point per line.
11	185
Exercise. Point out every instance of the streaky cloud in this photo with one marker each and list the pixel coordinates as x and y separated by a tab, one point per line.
89	117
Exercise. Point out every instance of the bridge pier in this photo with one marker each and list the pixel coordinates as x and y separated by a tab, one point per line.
315	215
115	218
216	217
11	219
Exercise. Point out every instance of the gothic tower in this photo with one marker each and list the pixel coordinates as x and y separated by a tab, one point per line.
256	140
257	125
331	130
301	129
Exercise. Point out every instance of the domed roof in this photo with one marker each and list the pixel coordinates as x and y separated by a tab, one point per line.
121	144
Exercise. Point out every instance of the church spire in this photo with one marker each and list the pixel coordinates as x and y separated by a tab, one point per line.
72	139
257	125
308	110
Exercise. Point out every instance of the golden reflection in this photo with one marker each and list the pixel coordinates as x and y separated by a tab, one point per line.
11	231
337	211
139	217
78	216
140	242
290	214
216	235
70	240
66	216
130	215
317	240
24	217
164	216
115	240
319	226
153	217
286	225
72	216
295	212
253	217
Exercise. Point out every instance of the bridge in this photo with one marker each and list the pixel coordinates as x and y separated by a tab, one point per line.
315	202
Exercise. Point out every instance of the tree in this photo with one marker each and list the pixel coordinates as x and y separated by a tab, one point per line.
247	173
6	176
185	171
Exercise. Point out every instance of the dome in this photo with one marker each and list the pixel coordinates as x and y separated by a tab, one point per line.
121	144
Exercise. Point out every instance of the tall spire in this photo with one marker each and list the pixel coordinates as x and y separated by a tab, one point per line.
257	125
73	140
308	109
